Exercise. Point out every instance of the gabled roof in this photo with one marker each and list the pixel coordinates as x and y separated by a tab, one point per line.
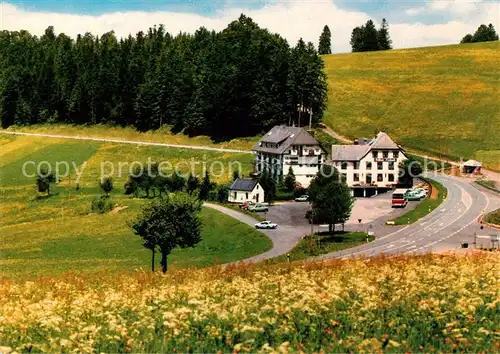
357	152
349	152
285	137
244	184
382	141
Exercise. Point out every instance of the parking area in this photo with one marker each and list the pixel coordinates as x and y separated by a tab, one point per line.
366	209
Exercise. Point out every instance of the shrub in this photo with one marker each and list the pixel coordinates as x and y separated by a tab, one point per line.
102	205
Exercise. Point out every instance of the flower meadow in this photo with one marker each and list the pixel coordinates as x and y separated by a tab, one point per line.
431	303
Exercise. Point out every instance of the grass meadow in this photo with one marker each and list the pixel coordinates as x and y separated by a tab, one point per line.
432	303
46	235
442	101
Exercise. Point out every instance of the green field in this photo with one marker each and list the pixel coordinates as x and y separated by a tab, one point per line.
43	235
441	101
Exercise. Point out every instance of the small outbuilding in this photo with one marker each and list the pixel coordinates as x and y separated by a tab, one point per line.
471	167
246	189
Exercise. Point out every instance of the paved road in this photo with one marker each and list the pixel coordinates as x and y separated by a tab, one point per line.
447	227
134	142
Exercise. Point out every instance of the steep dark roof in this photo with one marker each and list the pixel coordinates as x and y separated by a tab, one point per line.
285	136
244	184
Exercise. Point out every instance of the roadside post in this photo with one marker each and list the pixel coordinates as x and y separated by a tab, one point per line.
494	239
370	233
288	257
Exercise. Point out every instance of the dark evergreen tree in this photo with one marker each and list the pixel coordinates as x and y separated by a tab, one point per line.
237	82
485	34
357	39
383	37
193	184
325	42
205	187
468	38
290	181
370	37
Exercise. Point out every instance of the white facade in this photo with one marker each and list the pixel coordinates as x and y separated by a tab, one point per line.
370	165
239	196
303	159
285	147
378	168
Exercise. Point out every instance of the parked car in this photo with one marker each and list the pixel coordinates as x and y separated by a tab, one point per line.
266	225
246	205
258	207
423	192
302	198
413	195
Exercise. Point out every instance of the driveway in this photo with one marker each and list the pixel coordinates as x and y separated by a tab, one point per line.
284	238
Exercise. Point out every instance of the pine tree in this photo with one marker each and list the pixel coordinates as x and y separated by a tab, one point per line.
357	39
370	37
290	181
384	39
206	187
325	42
468	38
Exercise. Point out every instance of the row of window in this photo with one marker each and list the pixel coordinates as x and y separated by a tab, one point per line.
385	154
369	165
380	177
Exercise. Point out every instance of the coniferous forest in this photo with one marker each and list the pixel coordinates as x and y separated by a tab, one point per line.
233	83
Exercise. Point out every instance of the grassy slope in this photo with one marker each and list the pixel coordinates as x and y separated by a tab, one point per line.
57	234
438	100
322	244
163	135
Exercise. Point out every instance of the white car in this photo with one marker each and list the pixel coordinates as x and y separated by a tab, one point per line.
302	198
266	225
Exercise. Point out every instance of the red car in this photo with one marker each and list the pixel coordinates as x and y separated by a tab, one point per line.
245	206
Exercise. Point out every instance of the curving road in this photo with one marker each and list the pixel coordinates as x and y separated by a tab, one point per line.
452	223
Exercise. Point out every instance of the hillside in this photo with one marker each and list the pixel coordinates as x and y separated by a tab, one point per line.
49	235
431	303
438	100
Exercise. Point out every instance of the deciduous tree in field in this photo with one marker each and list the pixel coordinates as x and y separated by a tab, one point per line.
107	185
330	198
169	222
43	180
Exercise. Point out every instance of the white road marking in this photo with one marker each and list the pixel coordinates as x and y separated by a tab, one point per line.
453	234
